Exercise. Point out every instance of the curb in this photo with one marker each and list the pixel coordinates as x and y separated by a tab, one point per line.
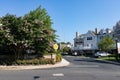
60	64
110	62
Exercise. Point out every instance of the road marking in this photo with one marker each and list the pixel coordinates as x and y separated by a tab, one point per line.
58	74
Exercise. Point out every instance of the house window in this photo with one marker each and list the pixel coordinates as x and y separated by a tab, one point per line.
91	44
89	38
87	45
118	32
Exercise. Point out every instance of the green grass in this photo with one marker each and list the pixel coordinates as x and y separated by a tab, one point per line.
108	58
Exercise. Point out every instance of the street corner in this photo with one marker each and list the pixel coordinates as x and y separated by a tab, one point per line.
23	67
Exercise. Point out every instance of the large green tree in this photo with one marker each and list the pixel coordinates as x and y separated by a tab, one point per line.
106	43
42	35
13	34
33	30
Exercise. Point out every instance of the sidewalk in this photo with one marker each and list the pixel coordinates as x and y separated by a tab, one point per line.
60	64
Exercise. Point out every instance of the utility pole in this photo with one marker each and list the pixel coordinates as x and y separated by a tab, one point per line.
116	54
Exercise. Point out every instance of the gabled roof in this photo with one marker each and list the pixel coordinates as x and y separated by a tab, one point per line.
91	32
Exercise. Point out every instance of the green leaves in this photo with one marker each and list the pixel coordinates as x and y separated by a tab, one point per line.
106	43
41	29
33	30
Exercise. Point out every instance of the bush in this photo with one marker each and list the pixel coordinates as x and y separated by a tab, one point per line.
58	57
35	62
6	60
112	55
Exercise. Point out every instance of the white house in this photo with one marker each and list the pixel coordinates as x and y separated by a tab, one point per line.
89	41
78	41
116	29
106	32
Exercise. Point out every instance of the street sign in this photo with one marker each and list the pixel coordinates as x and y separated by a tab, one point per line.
55	46
118	47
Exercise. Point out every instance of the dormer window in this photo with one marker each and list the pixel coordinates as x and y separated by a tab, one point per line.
89	38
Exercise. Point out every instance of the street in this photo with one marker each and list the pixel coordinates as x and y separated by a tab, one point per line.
80	68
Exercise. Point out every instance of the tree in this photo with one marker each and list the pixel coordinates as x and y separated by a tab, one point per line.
63	43
40	30
33	30
13	34
106	43
68	43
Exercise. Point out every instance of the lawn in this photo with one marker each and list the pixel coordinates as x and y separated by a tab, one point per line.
107	58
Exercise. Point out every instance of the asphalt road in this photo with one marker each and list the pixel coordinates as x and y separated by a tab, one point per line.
80	68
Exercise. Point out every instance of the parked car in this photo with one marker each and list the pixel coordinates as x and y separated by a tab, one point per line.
74	53
101	54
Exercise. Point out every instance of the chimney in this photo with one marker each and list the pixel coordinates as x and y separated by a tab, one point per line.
96	31
77	34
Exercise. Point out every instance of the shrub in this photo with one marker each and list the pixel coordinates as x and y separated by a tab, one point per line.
58	57
35	61
112	55
6	61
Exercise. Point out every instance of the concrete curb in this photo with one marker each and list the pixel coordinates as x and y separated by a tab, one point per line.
60	64
110	62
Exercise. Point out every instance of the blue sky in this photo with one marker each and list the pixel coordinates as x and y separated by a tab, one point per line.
69	16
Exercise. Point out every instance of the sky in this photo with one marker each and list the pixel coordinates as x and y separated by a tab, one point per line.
69	16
